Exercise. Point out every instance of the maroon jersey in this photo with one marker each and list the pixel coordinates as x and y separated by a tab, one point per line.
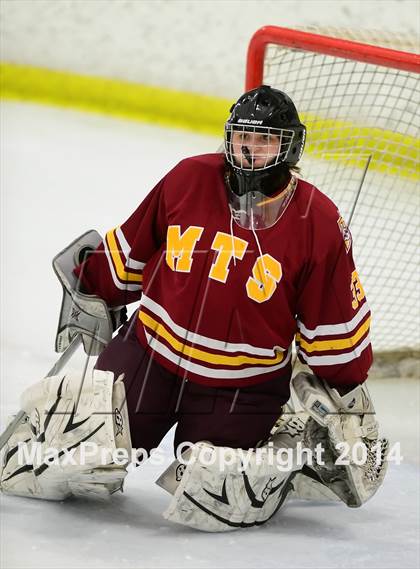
221	305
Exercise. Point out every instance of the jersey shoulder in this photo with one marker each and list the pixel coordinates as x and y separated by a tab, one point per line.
208	162
314	203
204	173
322	216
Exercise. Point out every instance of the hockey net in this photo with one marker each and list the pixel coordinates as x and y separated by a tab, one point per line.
358	94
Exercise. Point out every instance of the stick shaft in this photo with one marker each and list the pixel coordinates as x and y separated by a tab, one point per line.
65	356
57	367
10	429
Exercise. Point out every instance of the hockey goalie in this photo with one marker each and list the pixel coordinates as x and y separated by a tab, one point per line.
232	258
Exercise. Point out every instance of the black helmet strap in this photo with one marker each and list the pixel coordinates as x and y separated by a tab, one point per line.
268	182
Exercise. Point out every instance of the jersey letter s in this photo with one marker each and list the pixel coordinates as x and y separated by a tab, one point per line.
267	273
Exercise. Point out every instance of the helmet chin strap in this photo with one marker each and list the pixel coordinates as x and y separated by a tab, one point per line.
267	182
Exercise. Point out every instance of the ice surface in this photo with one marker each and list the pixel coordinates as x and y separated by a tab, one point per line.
62	173
130	532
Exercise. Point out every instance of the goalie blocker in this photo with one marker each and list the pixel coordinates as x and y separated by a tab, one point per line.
83	313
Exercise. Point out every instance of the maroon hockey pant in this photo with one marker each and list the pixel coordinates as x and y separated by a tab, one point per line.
157	399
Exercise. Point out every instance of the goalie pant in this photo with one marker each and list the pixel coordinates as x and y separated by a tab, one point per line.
157	399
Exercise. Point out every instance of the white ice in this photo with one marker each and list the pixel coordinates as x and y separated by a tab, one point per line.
63	172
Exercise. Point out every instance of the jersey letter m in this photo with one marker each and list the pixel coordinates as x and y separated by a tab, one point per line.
180	247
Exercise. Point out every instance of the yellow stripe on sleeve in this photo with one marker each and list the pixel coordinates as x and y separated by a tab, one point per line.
325	345
122	273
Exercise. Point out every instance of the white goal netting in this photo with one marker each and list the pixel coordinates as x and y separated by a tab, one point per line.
362	151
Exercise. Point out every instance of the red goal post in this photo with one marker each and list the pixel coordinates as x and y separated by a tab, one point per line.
297	39
358	94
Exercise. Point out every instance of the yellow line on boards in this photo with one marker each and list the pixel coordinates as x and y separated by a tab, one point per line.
329	139
351	143
199	113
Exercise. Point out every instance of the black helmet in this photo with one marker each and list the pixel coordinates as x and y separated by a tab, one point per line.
264	165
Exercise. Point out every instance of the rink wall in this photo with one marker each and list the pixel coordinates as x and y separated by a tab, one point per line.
175	62
168	107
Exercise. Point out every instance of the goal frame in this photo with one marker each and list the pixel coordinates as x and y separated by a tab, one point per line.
316	43
342	139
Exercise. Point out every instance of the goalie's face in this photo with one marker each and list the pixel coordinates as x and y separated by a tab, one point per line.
255	150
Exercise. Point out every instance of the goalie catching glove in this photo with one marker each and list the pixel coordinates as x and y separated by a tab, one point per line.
69	440
354	458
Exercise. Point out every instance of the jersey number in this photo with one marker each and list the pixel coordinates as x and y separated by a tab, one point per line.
356	289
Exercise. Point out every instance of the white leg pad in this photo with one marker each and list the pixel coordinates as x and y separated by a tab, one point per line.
68	444
224	489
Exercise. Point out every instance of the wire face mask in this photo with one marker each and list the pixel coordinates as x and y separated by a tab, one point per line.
255	148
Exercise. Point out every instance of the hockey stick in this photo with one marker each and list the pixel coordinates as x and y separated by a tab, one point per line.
57	367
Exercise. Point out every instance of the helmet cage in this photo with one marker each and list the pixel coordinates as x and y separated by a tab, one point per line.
260	156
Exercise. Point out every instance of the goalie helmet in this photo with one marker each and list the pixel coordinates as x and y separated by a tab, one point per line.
263	139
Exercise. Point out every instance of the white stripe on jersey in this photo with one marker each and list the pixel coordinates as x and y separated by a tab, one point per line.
335	359
198	339
120	285
213	373
334	329
126	249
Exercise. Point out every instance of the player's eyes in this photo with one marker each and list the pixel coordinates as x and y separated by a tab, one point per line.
271	138
267	138
256	139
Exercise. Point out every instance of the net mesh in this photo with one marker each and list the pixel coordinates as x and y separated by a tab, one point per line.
362	151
